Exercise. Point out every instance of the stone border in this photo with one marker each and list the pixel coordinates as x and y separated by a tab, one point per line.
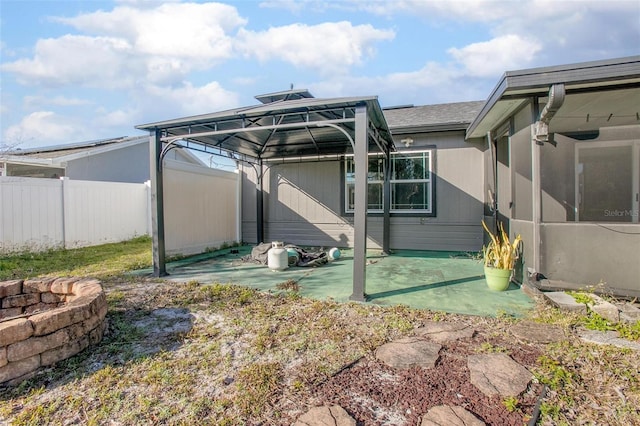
43	321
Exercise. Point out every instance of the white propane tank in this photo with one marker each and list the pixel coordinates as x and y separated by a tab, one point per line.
277	258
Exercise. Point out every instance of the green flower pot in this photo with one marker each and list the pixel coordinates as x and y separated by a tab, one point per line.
497	279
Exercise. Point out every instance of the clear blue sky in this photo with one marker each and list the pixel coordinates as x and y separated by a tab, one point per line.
81	70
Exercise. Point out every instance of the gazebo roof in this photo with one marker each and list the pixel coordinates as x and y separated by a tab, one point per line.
286	124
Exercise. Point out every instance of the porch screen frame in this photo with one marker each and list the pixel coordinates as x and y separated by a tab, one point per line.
635	175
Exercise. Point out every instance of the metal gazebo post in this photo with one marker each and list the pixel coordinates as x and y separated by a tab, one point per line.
157	204
361	150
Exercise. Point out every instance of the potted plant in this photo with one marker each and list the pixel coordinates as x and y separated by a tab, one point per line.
500	257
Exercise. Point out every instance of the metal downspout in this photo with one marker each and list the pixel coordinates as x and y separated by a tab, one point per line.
540	135
494	182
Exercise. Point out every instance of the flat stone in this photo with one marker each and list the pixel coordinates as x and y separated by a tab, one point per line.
20	300
498	374
15	330
450	416
630	309
409	352
537	332
443	332
629	312
39	285
565	302
17	369
605	309
607	338
10	288
326	416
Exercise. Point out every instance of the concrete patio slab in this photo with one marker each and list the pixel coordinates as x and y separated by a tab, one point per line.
438	281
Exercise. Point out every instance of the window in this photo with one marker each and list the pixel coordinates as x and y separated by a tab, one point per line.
411	183
375	177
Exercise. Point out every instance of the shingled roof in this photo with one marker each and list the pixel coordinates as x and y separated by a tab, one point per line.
440	117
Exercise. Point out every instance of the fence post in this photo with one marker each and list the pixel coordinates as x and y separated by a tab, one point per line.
63	190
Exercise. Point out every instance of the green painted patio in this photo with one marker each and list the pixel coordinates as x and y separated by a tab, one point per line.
438	281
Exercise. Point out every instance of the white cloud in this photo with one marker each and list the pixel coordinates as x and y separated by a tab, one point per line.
128	45
433	83
76	60
187	99
198	31
563	31
44	128
328	47
493	57
121	118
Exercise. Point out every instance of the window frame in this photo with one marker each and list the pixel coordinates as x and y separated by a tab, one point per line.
430	181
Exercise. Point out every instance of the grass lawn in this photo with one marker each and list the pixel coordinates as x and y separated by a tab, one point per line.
192	353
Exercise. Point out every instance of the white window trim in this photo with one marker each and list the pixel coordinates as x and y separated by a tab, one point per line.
429	181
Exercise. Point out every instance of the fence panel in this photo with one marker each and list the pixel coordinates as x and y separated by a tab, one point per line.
201	208
103	212
30	214
201	211
40	214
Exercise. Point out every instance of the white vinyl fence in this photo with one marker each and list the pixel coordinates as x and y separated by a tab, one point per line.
201	211
39	214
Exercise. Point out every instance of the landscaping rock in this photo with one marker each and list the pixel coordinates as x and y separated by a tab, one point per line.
629	313
10	288
10	312
17	369
442	332
565	302
37	285
498	374
14	331
36	345
537	332
605	309
450	416
20	300
607	338
409	352
326	416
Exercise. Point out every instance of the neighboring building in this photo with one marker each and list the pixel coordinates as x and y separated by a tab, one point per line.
124	159
565	143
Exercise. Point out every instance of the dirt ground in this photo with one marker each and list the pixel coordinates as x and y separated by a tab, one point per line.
224	355
375	394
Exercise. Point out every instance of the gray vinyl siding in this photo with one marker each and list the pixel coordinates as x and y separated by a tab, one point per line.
303	202
130	164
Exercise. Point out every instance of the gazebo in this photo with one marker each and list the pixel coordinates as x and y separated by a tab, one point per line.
287	125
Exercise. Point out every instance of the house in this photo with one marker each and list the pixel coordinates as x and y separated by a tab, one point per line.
124	159
564	143
553	154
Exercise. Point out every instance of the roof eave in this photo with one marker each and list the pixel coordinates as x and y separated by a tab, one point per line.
430	128
535	81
